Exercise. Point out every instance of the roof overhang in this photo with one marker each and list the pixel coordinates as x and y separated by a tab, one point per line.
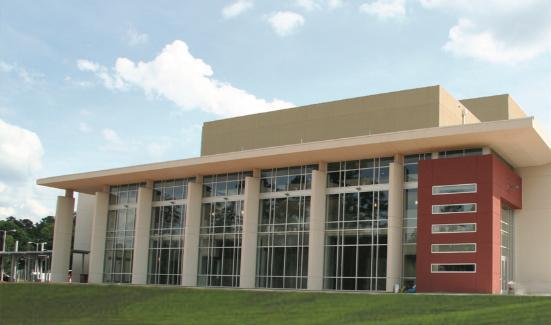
521	142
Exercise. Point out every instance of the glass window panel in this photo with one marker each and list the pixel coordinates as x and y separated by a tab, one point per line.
454	189
351	207
454	208
367	176
352	164
294	182
333	179
411	173
220	189
282	183
437	268
351	178
453	248
383	175
453	228
233	188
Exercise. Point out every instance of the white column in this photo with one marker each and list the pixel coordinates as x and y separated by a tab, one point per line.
191	239
250	233
141	235
83	232
97	243
395	221
63	232
317	229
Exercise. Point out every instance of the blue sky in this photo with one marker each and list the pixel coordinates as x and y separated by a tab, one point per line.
91	85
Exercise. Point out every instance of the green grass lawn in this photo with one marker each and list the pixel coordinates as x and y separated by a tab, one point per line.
97	304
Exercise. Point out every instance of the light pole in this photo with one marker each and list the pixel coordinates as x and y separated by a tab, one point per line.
5	234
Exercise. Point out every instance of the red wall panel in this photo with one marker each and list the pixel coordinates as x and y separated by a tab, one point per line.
496	183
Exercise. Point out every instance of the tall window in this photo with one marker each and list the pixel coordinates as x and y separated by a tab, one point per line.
409	242
220	244
166	244
356	241
282	255
119	239
168	220
507	247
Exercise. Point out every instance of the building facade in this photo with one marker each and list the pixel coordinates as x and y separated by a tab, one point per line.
376	193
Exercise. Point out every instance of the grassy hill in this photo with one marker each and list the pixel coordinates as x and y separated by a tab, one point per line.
98	304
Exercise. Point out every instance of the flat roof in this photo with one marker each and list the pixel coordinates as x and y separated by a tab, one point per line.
521	142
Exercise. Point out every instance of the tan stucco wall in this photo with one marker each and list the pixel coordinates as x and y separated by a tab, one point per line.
533	231
381	113
451	111
494	108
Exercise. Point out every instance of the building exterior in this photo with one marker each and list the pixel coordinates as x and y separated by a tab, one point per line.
372	193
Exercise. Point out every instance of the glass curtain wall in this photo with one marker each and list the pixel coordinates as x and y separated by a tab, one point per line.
282	250
409	239
166	244
356	225
507	247
221	230
119	239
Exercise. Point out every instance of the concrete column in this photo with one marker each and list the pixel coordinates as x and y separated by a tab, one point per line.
141	235
250	233
83	232
63	232
97	243
191	239
395	221
317	230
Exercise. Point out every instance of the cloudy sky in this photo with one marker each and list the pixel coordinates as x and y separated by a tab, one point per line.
87	85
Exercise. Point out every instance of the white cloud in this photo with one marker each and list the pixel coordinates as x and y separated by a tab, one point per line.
84	127
109	79
134	38
285	22
467	40
20	152
178	76
28	77
5	67
334	4
497	31
111	136
309	5
237	8
479	6
175	74
20	160
385	9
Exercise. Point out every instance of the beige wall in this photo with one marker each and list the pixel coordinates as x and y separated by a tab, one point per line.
494	108
381	113
451	111
409	109
533	231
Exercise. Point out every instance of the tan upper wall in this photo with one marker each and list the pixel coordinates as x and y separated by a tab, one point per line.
494	108
381	113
